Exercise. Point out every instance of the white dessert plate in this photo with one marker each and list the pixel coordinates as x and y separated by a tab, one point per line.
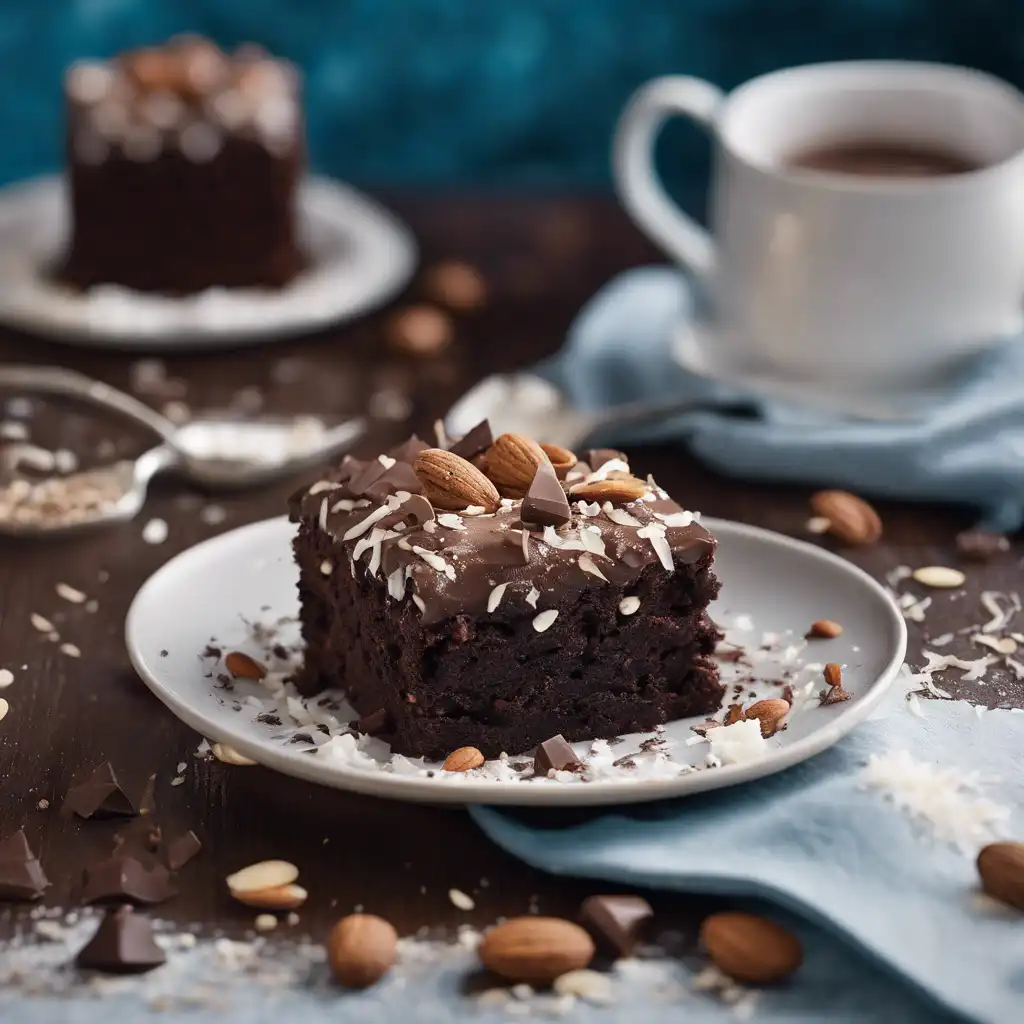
360	253
238	592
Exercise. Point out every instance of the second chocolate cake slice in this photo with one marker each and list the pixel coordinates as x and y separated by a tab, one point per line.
496	608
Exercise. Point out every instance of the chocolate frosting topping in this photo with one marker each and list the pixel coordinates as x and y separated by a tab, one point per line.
479	563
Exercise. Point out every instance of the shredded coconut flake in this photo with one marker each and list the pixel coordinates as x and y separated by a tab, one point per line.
365	524
587	564
322	485
620	516
494	599
629	605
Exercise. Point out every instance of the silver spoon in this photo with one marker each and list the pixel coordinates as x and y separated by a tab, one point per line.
528	404
217	454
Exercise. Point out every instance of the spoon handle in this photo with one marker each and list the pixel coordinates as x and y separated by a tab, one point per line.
56	380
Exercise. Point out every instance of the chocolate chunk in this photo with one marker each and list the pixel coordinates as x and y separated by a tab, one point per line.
21	875
366	477
408	450
373	722
545	503
125	878
122	944
99	795
348	468
597	457
182	849
554	753
478	440
981	545
399	477
617	920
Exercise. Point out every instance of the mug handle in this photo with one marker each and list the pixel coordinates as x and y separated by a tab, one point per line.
633	165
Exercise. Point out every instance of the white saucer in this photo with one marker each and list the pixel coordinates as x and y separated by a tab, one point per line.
361	256
233	591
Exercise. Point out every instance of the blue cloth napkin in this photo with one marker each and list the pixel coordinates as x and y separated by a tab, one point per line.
862	874
966	446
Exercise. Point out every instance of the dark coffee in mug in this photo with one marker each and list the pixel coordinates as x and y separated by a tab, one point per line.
877	159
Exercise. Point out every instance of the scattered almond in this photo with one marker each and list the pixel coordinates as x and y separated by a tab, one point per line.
222	752
749	948
835	693
939	576
851	520
619	489
734	714
266	874
242	666
560	458
361	949
825	629
769	713
833	674
281	897
512	462
536	949
463	760
457	286
452	483
420	331
1001	867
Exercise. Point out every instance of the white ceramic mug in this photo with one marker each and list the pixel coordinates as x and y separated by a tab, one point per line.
857	283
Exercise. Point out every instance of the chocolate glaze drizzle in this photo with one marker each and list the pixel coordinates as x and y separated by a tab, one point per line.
472	562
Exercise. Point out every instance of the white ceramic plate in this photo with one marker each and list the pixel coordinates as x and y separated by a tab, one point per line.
236	589
361	256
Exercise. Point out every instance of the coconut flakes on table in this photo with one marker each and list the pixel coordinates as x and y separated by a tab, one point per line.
947	802
1000	616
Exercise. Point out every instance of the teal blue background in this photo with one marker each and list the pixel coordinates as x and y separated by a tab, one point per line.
485	92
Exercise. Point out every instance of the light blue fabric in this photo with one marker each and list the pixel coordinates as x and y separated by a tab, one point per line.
967	448
816	841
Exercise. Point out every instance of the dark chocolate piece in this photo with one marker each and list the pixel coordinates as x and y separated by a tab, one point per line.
982	545
597	457
21	875
545	503
408	450
182	849
122	944
366	477
99	795
617	920
373	722
478	440
398	477
125	878
555	753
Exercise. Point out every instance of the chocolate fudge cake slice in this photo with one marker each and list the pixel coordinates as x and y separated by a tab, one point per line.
495	607
183	163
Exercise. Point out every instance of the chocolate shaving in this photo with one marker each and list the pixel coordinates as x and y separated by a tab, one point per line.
99	795
122	944
366	477
478	440
545	503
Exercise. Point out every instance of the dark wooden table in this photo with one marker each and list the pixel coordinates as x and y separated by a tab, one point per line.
542	258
